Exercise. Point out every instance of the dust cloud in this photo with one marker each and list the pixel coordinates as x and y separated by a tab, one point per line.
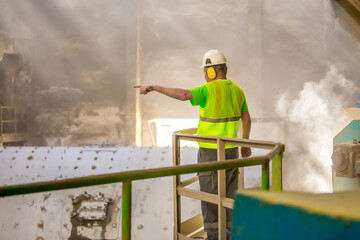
312	119
77	53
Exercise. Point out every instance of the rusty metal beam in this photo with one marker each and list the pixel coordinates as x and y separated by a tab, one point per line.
352	7
355	3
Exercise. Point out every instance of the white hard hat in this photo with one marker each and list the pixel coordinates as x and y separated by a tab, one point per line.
213	57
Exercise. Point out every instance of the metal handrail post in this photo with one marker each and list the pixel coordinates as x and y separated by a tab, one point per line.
1	119
277	170
15	121
27	120
126	211
176	183
265	177
221	191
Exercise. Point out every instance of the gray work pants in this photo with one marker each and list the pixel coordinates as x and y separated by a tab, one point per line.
208	183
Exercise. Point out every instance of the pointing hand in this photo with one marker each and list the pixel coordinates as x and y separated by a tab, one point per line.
144	89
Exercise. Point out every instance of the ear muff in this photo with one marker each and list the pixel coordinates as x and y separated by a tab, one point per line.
211	73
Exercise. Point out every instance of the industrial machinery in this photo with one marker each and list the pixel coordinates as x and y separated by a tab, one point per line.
346	158
93	211
305	215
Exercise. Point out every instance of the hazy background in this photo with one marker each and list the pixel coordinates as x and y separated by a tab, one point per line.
297	62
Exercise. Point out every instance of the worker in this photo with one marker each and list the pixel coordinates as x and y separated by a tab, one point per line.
222	104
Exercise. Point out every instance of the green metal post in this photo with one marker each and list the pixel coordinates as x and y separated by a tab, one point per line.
221	192
265	177
277	172
126	211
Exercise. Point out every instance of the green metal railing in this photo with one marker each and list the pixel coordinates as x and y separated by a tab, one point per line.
275	155
127	177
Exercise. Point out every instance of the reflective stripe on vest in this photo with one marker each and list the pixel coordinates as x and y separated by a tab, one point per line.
217	120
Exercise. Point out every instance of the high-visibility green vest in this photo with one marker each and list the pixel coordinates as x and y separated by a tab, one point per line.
222	112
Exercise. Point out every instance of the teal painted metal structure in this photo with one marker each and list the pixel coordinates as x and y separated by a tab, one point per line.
254	219
348	134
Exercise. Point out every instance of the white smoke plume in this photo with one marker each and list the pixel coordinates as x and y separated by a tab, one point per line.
311	120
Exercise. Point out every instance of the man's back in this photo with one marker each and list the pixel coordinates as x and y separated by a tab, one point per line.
221	104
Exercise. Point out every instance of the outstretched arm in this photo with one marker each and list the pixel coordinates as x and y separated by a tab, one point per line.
177	93
246	126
